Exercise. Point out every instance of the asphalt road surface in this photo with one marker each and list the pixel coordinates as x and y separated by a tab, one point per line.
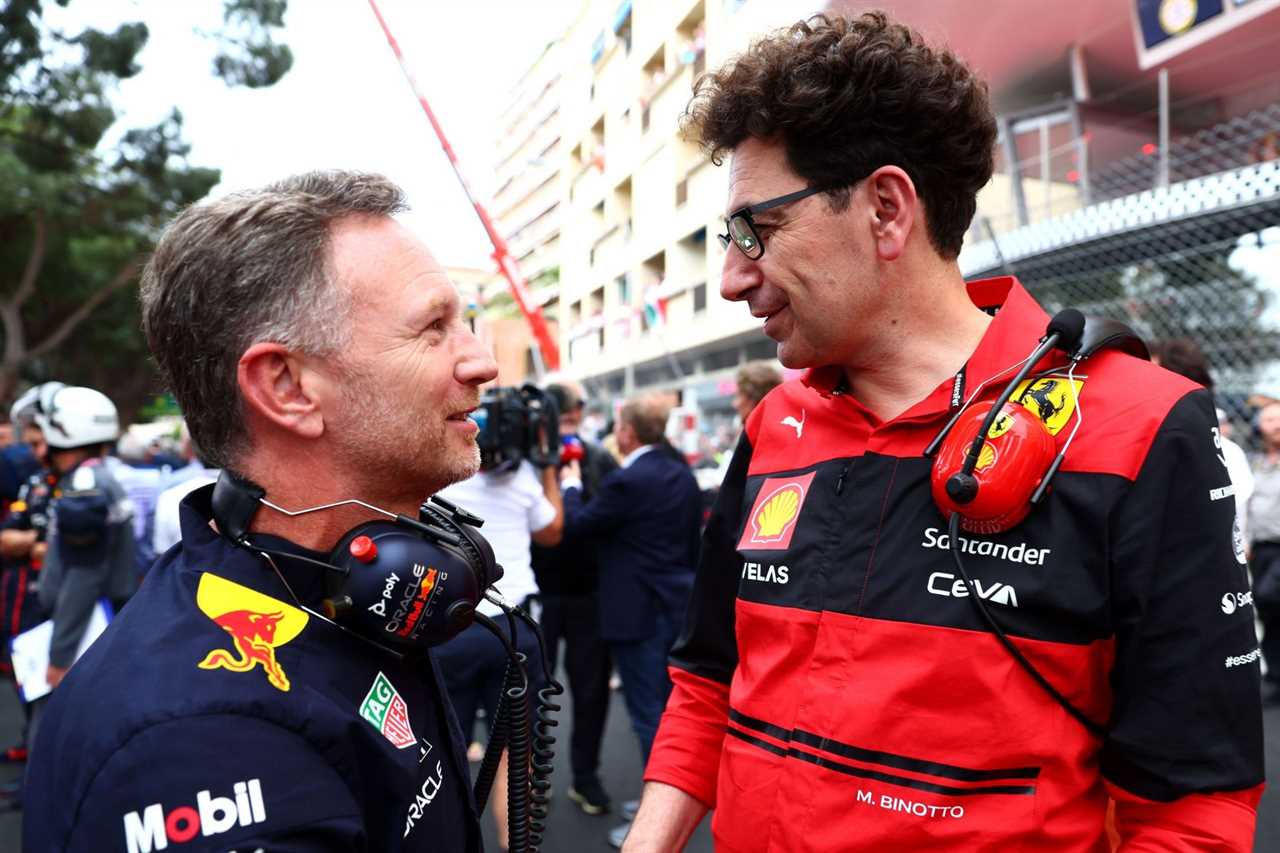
571	830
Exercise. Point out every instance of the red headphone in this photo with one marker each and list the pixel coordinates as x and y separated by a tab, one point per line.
1013	461
994	481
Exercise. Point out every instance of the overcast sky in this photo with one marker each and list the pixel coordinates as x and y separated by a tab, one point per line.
345	103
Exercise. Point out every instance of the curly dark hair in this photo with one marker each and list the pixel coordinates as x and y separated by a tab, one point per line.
847	96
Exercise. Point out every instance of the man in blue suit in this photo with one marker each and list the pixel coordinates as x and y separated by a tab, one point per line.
645	520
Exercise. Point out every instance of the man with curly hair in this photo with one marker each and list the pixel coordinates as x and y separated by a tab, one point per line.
835	687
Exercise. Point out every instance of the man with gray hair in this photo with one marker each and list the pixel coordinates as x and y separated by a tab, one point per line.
319	354
645	519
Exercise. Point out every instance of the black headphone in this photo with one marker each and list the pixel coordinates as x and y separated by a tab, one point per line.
404	584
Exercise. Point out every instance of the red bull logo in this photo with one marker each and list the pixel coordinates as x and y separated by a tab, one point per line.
257	623
420	600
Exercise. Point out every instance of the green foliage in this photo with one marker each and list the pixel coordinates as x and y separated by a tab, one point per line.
76	218
250	58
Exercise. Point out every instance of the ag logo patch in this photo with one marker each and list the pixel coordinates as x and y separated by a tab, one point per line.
386	711
1052	399
773	517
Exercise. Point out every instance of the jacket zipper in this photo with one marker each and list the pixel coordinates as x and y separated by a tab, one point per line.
840	480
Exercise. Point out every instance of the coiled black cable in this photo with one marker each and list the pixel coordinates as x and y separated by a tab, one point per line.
518	815
543	754
516	716
498	733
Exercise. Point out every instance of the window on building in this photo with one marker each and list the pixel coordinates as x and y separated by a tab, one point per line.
622	24
699	297
623	285
682	192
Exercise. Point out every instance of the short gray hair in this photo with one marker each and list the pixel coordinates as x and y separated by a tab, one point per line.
249	267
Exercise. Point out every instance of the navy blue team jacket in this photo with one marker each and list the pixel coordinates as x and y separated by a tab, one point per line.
215	715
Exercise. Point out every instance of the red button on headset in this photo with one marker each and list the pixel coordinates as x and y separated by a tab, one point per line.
363	549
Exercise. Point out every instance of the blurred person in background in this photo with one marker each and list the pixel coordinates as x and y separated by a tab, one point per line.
520	505
90	542
1264	538
18	458
1184	357
645	519
166	527
568	583
754	381
23	542
136	470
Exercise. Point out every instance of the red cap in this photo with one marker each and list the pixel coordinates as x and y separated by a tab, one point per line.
363	549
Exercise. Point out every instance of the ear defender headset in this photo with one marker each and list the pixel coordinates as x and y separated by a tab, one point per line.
408	584
403	584
993	464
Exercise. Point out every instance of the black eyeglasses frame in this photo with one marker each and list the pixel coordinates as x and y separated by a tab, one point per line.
746	216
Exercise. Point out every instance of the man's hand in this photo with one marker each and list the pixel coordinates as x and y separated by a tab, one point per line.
667	817
570	474
55	674
38	552
17	544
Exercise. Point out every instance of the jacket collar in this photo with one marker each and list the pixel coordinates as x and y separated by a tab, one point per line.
1018	324
204	549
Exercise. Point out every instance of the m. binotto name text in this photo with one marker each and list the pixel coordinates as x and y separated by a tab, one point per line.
911	807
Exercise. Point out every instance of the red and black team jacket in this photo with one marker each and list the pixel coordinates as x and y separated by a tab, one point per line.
835	689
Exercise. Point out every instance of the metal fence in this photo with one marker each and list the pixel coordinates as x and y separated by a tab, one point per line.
1199	258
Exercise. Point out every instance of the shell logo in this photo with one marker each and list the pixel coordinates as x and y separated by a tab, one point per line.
986	457
773	517
777	513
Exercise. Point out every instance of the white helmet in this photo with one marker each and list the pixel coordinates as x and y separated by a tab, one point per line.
73	416
26	407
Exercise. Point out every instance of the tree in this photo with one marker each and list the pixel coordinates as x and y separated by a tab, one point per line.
76	221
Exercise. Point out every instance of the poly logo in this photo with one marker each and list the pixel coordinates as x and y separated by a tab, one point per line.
257	623
387	712
773	517
152	829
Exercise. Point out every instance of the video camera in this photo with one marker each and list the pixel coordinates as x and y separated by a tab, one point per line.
517	423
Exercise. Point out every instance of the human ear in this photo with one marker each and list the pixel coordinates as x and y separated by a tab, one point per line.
276	386
892	197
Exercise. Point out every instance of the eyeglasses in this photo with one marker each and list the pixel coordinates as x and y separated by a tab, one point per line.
740	227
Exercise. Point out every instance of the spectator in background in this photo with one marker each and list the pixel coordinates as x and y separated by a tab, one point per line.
23	542
568	582
754	381
520	505
90	548
165	528
133	469
645	519
1264	533
1184	357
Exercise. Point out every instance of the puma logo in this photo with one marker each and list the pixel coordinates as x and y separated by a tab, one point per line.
797	425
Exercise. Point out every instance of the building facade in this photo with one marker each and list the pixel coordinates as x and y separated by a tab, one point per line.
612	215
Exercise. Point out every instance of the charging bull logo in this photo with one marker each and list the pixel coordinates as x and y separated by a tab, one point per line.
1052	399
773	517
257	623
